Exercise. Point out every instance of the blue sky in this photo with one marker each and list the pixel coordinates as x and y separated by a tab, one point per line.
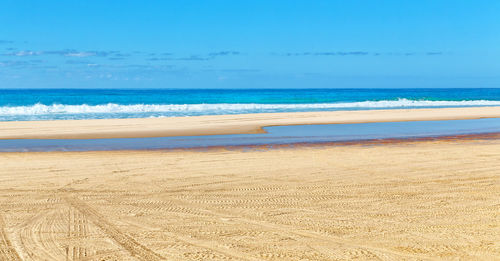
249	44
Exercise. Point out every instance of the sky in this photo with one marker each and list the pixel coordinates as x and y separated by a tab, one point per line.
249	44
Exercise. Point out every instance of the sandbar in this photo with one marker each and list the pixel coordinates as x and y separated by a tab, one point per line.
223	124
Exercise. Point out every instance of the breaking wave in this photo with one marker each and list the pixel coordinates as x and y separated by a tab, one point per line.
223	108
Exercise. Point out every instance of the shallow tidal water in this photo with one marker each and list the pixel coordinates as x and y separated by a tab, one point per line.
275	136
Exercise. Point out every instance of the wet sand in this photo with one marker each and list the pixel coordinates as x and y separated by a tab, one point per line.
223	124
405	200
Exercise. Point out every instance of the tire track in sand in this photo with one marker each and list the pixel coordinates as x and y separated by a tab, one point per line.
128	243
7	251
204	244
378	252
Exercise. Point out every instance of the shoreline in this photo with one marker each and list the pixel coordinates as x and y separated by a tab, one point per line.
456	138
224	124
473	137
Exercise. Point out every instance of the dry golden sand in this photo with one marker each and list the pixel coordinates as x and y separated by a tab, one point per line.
406	201
223	124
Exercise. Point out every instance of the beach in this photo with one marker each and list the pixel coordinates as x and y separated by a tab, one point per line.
402	201
224	124
249	130
406	199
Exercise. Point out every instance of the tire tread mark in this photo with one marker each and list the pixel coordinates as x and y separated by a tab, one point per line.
131	245
7	251
290	230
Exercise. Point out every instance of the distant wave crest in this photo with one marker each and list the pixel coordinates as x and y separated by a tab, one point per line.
221	108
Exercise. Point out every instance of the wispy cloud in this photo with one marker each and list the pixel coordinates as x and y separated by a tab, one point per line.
13	63
67	53
157	54
187	58
224	53
80	54
233	70
22	64
117	55
434	53
77	61
24	53
356	53
240	70
159	59
75	53
193	58
168	56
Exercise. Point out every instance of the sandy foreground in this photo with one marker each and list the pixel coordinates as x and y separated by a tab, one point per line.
405	201
223	124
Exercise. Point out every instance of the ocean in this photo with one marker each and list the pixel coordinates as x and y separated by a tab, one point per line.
62	104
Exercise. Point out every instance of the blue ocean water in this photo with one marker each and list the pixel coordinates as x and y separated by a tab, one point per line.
58	104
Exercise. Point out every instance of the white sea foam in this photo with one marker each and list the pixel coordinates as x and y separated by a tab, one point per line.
222	108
